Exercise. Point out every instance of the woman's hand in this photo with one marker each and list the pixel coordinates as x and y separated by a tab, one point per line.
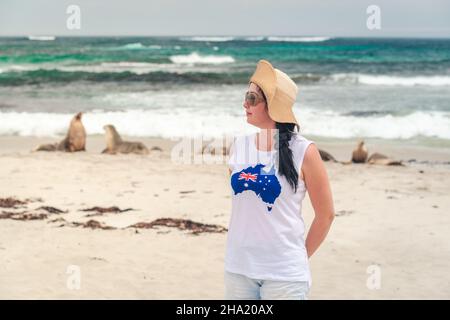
319	191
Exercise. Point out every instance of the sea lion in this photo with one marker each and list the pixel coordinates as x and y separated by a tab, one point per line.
217	147
359	155
378	158
75	139
76	136
115	144
326	156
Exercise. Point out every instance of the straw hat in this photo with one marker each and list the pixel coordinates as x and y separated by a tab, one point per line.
279	89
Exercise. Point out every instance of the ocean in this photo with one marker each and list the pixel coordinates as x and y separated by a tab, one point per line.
171	87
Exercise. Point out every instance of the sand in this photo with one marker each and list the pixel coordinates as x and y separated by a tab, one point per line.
391	219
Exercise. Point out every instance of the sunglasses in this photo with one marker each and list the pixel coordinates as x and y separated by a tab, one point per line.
253	98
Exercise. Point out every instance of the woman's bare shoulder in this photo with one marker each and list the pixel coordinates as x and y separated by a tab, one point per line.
311	154
309	157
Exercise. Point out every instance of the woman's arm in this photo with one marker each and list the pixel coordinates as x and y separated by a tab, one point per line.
318	186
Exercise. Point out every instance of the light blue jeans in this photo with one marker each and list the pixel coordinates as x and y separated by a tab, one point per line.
240	287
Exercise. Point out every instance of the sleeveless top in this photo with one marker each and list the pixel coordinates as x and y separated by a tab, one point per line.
265	237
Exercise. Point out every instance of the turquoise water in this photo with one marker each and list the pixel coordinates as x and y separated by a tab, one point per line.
349	88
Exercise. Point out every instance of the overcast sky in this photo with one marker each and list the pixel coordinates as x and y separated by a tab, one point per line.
399	18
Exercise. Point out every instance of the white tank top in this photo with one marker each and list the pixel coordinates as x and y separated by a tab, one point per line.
266	231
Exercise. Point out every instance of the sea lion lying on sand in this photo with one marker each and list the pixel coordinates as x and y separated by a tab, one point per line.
75	139
115	144
360	154
217	147
326	156
378	158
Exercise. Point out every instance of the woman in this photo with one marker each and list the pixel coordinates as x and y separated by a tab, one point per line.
266	255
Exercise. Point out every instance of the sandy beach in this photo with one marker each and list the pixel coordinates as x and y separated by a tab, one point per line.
391	218
112	207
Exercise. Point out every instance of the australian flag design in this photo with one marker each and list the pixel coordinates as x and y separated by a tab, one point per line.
264	184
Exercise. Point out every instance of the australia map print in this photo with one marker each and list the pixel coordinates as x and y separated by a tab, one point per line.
255	179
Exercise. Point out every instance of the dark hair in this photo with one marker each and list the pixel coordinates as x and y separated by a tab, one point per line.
285	159
286	165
